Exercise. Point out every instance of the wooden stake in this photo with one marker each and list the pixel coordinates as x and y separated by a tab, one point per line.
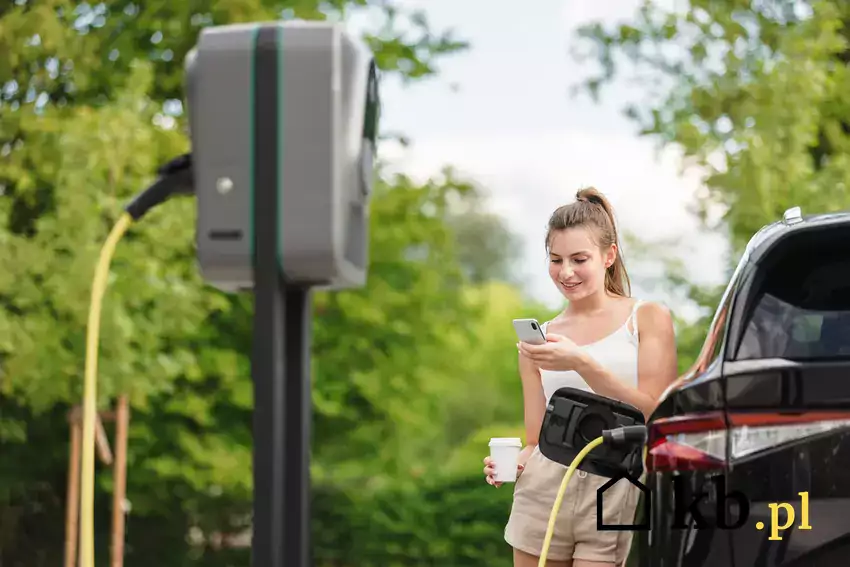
122	421
72	499
102	441
119	467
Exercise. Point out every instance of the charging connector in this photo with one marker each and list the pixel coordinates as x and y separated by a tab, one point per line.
175	178
627	436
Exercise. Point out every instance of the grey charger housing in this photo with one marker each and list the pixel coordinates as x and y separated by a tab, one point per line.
326	124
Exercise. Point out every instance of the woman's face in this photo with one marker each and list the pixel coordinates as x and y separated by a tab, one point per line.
576	264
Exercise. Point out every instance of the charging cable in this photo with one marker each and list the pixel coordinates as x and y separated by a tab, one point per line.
175	178
629	435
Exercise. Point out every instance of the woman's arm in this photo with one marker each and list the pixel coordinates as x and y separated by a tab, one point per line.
534	401
534	408
657	363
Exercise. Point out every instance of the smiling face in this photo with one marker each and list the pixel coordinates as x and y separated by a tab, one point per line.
577	265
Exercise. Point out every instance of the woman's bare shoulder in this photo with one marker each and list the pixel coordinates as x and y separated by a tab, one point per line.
655	315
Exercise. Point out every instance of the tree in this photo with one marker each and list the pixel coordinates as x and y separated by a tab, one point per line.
752	92
63	52
664	273
488	249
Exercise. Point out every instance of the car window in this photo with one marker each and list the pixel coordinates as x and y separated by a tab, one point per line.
713	342
715	337
802	311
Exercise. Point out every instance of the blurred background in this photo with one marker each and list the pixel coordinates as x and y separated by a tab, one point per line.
702	121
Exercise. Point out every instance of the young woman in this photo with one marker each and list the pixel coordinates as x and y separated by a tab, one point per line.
605	342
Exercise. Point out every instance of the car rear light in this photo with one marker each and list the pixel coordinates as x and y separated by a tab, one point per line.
699	442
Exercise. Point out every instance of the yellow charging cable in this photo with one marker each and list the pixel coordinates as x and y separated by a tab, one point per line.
99	284
563	488
174	178
550	529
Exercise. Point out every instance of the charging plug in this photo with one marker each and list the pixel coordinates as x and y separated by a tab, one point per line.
628	435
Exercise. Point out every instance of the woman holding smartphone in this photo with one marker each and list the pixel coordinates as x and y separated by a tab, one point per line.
603	341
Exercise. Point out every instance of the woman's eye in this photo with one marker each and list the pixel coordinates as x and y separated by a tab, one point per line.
580	260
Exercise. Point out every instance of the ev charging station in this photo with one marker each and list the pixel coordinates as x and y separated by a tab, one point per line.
283	118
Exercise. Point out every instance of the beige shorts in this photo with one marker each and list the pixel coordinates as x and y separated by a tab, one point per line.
576	535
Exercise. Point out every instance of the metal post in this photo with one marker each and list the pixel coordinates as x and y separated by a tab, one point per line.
280	363
267	369
298	424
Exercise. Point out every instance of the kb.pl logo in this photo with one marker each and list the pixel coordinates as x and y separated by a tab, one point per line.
684	507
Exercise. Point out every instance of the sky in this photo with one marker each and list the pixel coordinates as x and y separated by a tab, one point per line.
501	113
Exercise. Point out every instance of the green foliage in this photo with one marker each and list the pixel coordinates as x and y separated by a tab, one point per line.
77	52
451	521
690	335
753	92
487	249
76	170
674	285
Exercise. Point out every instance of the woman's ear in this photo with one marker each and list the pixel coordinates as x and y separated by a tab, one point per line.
611	256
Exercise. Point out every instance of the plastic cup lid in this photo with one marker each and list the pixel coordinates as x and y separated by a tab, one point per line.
505	442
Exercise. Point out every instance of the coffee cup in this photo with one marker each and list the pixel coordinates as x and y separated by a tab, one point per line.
504	453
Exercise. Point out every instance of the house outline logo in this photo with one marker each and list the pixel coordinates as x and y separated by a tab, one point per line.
600	494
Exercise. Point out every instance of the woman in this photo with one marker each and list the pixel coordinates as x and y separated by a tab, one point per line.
606	342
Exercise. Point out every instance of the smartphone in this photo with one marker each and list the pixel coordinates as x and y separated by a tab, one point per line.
529	331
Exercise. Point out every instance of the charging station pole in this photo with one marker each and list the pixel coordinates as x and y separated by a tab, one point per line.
280	363
280	369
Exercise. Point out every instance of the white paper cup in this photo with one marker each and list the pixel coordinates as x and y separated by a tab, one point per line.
504	452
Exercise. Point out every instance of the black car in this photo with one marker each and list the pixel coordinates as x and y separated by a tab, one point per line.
756	436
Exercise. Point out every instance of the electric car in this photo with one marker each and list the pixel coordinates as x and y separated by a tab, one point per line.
748	453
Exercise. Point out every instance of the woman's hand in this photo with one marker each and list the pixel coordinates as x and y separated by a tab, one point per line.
559	353
490	471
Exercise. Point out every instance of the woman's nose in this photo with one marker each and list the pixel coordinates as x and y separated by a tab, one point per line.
566	272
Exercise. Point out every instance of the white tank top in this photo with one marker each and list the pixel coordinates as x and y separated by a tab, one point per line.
618	352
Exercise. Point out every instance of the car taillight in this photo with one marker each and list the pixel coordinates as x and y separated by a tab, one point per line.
699	442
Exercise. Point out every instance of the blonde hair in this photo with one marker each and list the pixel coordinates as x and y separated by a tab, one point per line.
591	208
